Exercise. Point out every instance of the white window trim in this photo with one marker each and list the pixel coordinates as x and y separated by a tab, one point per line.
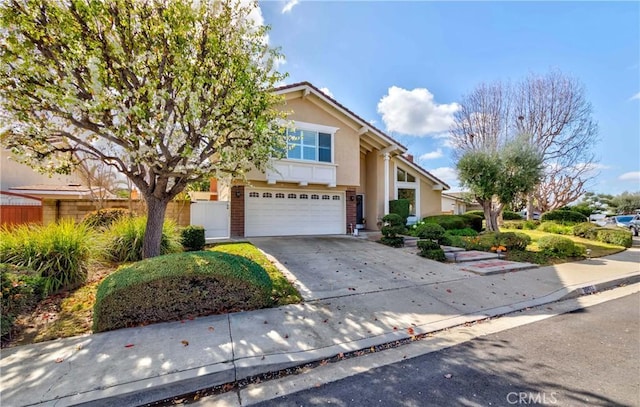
319	128
408	185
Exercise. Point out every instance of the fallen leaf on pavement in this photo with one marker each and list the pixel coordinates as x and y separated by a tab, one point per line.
410	331
448	376
185	343
130	345
449	291
211	328
59	360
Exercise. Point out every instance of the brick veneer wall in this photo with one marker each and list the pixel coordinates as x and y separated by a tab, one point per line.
237	211
350	196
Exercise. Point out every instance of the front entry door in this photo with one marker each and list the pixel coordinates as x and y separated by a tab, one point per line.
360	211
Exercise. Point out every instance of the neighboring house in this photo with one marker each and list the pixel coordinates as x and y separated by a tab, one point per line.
14	174
339	174
453	205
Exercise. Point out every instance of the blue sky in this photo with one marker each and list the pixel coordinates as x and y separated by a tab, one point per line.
426	55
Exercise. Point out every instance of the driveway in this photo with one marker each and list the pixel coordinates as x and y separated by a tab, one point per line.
333	266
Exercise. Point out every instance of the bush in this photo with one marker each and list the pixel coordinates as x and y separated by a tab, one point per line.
511	215
619	237
427	245
58	252
456	241
563	216
123	240
21	289
530	224
445	240
400	207
475	213
560	246
431	231
192	238
513	224
436	254
554	227
510	240
177	286
585	230
473	221
392	228
103	218
462	232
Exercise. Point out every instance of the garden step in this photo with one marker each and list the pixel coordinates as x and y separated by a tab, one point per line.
470	255
451	249
496	266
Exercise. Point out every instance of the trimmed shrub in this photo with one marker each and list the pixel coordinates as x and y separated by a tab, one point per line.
530	224
585	230
462	232
177	286
618	236
560	246
192	238
436	254
427	245
510	240
445	240
431	231
473	221
447	221
563	216
511	215
456	241
21	289
475	213
400	207
392	228
123	240
513	224
103	218
58	252
557	228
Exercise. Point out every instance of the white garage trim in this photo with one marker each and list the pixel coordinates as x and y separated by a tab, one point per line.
289	212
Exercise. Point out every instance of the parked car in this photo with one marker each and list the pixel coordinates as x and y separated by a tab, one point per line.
631	222
536	215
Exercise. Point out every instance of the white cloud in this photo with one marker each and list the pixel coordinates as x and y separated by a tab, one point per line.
327	92
630	176
447	174
636	96
590	167
290	5
278	62
415	112
432	155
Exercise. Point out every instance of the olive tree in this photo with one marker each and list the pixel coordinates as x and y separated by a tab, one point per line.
167	92
495	176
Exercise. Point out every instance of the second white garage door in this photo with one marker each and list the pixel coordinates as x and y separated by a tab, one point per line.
270	212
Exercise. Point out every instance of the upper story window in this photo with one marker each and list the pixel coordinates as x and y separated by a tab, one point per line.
310	142
403	176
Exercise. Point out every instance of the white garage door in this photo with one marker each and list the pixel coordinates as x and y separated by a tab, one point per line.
270	212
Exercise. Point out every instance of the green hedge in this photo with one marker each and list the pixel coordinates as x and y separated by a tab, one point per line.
192	238
475	213
564	216
510	240
560	246
462	232
618	236
510	215
401	208
435	254
427	245
179	286
585	230
449	222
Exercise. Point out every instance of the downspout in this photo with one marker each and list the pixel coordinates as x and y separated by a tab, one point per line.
386	183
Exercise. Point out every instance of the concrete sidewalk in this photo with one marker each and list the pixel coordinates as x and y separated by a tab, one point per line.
141	365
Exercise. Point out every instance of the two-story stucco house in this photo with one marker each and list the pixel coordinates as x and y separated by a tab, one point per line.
340	173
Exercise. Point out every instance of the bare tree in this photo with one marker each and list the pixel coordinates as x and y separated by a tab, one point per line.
553	110
101	179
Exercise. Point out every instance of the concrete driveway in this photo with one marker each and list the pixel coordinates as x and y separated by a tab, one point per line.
333	266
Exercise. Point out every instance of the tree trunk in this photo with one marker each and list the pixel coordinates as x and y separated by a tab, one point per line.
156	209
530	206
490	215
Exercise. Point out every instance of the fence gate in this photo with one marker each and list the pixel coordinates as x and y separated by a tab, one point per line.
213	216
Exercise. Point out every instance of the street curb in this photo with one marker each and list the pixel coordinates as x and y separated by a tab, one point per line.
167	387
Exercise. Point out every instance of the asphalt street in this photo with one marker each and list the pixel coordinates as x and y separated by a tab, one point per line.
590	357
